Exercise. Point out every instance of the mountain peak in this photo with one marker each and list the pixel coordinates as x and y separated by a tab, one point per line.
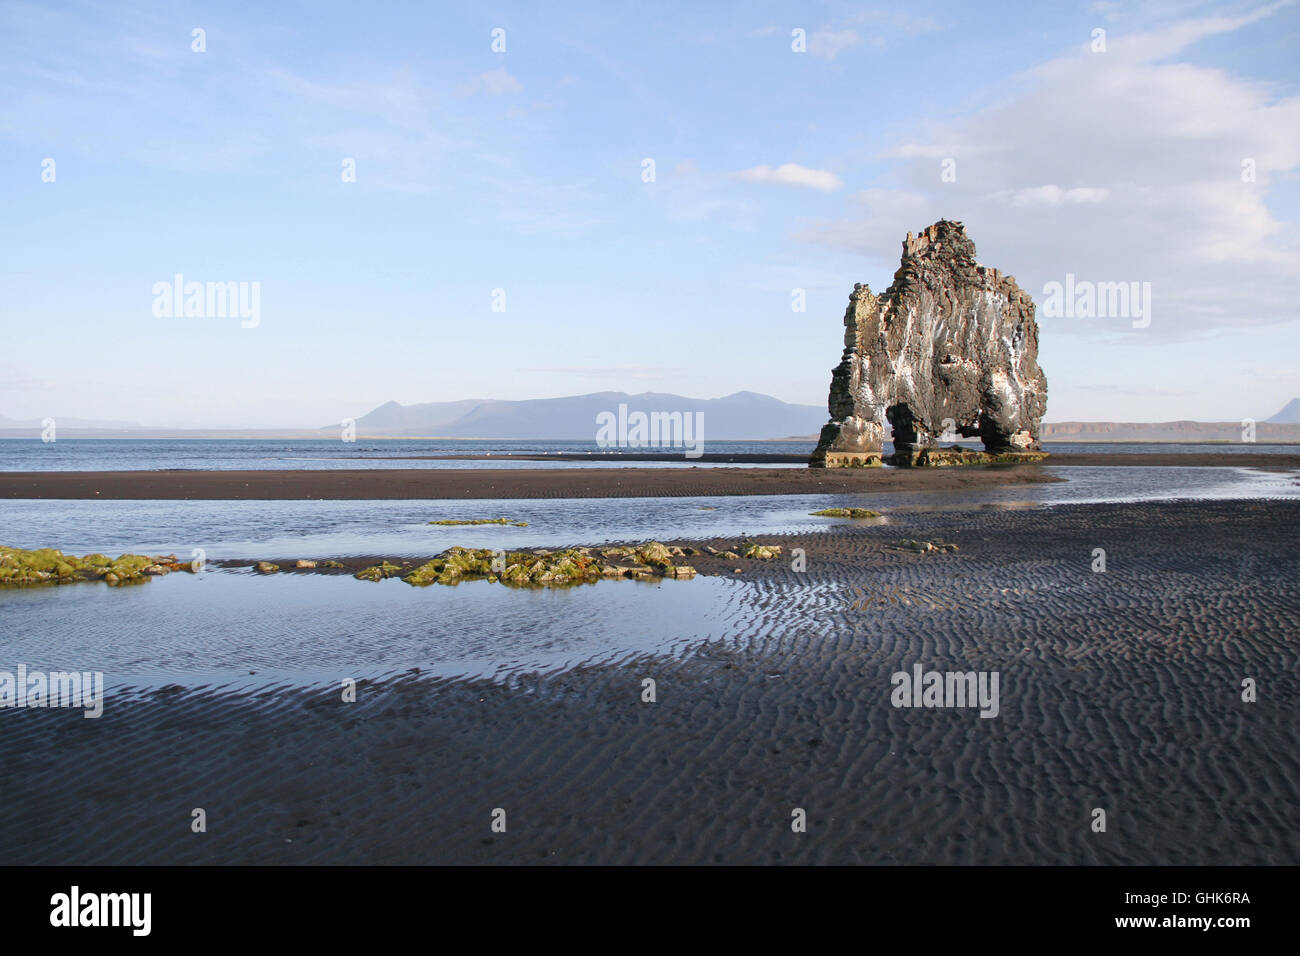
743	415
1289	415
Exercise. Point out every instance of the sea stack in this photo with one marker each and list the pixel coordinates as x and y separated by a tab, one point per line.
949	349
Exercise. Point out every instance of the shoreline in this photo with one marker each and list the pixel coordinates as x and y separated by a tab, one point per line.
484	483
617	482
1118	459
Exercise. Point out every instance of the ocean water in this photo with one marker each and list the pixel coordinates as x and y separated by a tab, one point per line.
233	629
242	631
134	454
259	530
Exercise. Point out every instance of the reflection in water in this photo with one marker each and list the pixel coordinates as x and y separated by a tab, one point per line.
320	529
237	629
132	454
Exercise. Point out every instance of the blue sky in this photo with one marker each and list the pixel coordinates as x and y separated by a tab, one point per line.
522	170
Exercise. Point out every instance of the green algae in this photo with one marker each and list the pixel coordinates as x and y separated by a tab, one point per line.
378	572
922	547
541	568
22	568
473	521
959	457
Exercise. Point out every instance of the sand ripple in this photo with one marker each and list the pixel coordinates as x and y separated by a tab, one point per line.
1118	690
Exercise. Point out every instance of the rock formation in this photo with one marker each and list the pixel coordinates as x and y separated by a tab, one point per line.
949	349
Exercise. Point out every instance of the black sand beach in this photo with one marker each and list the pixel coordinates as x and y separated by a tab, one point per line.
1119	690
1201	459
620	482
389	484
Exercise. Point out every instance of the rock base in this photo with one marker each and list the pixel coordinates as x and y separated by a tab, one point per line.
949	457
848	459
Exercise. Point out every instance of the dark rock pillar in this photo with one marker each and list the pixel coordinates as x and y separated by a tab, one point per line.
949	346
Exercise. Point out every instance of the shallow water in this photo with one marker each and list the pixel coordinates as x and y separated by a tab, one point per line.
238	630
134	454
320	529
214	628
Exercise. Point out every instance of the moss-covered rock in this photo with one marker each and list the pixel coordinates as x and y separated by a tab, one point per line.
540	568
957	456
20	567
654	553
425	574
922	547
847	459
845	513
471	521
377	572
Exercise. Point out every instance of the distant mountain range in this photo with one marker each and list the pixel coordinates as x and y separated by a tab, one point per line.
1281	427
1166	432
744	415
741	416
67	423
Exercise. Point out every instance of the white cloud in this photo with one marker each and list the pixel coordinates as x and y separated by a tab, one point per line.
619	372
1105	7
1052	195
828	44
899	21
881	28
494	83
792	174
923	150
1120	166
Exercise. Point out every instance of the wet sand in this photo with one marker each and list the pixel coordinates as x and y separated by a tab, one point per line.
613	482
1265	461
1272	462
446	483
1119	690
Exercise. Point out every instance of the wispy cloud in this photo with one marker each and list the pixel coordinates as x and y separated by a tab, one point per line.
496	82
1129	165
1052	195
636	372
828	44
791	174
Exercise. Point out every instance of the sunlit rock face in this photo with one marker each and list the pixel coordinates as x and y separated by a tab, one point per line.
949	349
